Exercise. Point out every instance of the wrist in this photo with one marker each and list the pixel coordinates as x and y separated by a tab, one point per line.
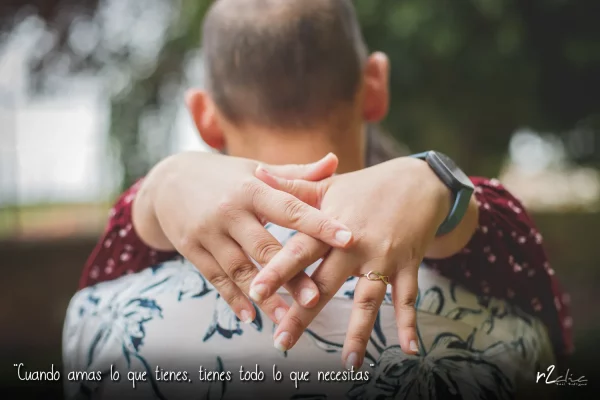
445	199
163	178
154	185
154	195
439	193
458	183
143	215
448	245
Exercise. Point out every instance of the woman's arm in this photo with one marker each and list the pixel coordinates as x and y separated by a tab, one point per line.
505	259
120	250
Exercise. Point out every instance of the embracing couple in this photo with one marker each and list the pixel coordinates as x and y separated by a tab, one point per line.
284	250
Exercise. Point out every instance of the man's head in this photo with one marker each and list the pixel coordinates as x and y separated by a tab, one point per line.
295	68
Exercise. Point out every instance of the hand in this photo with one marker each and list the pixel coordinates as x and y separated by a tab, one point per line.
394	210
211	208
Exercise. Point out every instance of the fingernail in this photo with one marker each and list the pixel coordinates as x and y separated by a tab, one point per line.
263	169
343	237
279	314
282	342
307	295
258	292
352	361
413	346
328	155
246	317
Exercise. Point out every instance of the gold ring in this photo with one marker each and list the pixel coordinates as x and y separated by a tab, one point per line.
376	276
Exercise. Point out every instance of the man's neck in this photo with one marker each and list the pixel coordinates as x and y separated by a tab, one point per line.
302	148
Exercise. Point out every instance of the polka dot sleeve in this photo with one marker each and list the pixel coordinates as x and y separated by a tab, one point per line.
506	259
120	251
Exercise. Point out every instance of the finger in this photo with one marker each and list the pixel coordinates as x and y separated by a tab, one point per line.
254	238
316	171
309	192
329	278
242	271
285	210
263	247
368	296
404	296
286	269
229	291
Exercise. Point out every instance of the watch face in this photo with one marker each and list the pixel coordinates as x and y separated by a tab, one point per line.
453	169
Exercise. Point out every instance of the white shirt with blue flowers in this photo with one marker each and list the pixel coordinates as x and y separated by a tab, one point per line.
168	319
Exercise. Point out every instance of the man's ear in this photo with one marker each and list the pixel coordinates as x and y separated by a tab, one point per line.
376	98
204	114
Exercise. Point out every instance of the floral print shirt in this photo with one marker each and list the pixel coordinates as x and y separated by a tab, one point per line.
169	319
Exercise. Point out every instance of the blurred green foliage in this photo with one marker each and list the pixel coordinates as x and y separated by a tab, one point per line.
465	74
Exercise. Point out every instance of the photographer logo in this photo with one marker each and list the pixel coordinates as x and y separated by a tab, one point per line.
567	379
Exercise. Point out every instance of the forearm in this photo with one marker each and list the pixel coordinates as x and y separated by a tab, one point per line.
120	250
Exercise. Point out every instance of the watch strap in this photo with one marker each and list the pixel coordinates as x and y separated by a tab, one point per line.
460	204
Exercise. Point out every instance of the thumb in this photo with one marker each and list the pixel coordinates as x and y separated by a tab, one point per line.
310	193
316	171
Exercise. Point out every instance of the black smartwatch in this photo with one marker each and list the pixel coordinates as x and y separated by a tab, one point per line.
456	180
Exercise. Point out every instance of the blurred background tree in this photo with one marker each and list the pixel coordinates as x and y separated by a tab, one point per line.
466	74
